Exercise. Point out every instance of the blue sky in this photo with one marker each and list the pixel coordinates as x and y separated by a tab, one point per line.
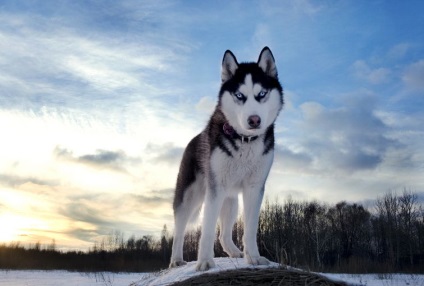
99	98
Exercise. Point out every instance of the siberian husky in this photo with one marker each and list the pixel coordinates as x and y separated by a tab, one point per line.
233	154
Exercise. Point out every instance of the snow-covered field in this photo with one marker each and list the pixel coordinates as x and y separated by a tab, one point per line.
379	279
65	278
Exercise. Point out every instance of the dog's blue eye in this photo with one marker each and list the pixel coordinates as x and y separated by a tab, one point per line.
262	93
239	95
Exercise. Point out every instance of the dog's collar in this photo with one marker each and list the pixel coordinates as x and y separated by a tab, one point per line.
229	130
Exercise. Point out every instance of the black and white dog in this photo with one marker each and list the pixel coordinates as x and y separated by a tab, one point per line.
232	155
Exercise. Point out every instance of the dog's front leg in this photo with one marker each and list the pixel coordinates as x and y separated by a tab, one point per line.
213	204
252	199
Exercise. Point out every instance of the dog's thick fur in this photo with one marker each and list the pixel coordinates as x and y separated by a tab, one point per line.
233	154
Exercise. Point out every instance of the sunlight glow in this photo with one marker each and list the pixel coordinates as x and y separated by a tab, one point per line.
12	226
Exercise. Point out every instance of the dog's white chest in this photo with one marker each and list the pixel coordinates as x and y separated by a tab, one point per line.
247	163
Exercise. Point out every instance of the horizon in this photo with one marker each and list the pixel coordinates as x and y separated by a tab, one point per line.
99	100
116	235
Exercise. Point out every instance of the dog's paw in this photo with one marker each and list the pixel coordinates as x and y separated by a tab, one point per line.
232	250
177	263
236	254
205	264
257	260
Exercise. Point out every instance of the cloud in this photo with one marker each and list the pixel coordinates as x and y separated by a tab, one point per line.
347	150
373	76
206	105
300	8
155	198
312	109
89	211
61	64
347	139
101	159
165	153
413	76
399	51
307	7
97	214
262	36
16	181
290	161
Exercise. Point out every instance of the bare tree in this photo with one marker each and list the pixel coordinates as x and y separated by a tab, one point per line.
409	212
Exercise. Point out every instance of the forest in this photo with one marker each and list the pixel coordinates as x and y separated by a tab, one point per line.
387	236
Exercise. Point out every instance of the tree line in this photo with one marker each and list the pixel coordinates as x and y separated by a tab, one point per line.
346	237
112	253
388	236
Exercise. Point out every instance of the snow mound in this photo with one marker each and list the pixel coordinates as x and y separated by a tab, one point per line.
169	276
237	272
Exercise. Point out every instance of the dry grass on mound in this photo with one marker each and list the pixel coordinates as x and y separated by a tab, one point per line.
260	277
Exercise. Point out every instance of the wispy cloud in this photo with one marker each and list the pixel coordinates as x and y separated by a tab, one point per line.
413	76
399	51
102	213
167	153
59	65
15	181
102	159
374	76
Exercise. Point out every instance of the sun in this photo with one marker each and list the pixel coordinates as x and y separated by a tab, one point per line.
11	226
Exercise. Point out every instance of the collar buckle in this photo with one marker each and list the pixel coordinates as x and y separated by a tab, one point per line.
229	130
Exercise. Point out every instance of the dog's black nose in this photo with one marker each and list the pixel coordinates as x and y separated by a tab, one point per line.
254	121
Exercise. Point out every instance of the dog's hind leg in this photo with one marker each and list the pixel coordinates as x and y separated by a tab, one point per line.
227	218
190	207
181	218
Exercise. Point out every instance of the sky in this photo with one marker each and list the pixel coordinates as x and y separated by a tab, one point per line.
98	100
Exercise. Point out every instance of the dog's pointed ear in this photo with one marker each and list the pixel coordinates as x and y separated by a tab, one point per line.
267	63
229	66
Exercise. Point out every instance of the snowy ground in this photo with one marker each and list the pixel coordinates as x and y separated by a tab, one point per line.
177	274
64	278
379	279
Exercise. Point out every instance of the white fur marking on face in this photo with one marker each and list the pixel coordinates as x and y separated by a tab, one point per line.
247	87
